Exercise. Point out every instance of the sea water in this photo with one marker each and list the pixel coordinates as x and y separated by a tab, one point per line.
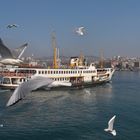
75	114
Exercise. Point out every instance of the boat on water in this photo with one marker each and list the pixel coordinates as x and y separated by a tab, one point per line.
78	74
77	77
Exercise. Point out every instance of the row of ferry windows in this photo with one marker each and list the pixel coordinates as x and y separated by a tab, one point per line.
61	79
65	72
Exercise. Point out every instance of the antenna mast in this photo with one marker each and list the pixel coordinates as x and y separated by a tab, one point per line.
55	66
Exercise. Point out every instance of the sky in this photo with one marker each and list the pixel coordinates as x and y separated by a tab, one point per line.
111	25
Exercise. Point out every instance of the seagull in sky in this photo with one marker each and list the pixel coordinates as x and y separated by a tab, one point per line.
11	57
80	30
110	126
12	26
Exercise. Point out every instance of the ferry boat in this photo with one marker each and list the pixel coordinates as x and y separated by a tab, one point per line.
77	75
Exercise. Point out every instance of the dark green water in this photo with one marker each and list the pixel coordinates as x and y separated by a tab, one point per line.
77	114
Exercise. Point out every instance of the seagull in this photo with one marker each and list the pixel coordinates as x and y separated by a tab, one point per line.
26	87
33	84
80	31
11	57
12	25
110	126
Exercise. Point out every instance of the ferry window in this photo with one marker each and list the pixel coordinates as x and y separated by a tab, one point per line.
51	72
39	72
22	80
48	72
45	72
42	72
33	71
14	81
6	81
56	72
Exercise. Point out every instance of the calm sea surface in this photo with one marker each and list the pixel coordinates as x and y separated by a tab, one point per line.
75	114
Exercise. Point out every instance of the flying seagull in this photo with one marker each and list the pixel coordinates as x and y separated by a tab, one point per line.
32	84
26	87
12	25
110	126
11	57
80	31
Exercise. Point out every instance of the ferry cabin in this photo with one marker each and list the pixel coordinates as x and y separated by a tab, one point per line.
78	77
74	75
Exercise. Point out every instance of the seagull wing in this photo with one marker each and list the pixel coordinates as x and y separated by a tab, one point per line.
17	53
25	88
81	28
15	25
12	25
5	51
111	122
9	26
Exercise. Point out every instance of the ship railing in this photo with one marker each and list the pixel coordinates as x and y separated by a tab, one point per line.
10	74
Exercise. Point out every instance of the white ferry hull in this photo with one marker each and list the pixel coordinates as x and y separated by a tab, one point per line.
66	78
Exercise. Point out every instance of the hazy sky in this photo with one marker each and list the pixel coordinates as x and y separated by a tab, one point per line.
111	25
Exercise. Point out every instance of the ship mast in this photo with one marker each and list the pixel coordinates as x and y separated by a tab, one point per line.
55	65
81	59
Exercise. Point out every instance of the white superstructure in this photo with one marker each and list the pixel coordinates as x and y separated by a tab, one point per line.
75	77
